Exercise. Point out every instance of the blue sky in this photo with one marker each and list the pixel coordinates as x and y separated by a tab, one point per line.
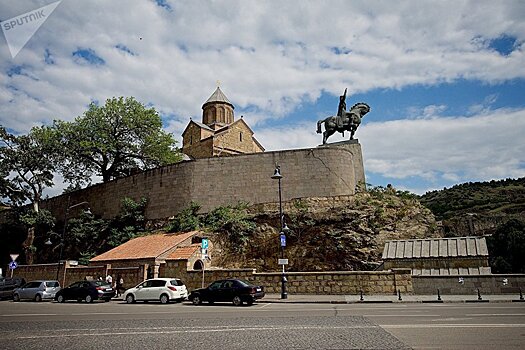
446	88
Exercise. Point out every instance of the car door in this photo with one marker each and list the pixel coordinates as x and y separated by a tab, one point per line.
33	289
213	291
156	289
72	292
227	291
142	290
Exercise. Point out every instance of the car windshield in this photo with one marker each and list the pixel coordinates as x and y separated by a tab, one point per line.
176	283
52	284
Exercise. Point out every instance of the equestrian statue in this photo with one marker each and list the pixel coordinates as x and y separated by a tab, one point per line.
343	120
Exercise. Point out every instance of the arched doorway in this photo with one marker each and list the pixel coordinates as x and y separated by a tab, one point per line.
198	265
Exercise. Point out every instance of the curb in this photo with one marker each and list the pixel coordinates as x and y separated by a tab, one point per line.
384	301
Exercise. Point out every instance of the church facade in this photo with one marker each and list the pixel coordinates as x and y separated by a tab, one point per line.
219	134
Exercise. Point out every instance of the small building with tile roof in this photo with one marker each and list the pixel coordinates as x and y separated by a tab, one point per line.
438	256
219	134
151	250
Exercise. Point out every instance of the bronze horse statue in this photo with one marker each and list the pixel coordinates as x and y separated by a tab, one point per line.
347	121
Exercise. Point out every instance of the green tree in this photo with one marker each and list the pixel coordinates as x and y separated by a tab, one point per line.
506	247
112	140
26	167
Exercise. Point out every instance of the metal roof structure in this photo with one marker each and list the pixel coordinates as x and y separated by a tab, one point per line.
457	271
436	248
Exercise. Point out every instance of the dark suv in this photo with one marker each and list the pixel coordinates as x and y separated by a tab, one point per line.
8	286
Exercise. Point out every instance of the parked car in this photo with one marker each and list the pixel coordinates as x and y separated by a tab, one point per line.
230	290
86	290
8	286
37	290
161	289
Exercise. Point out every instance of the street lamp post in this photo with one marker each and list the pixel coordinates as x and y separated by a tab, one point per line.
284	229
64	231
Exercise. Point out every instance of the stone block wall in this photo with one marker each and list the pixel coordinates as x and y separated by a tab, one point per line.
487	284
212	182
332	282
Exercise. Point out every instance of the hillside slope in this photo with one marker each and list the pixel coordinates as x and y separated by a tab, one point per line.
477	208
328	235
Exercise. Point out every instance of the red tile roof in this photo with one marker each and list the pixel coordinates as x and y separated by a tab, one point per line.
184	253
144	247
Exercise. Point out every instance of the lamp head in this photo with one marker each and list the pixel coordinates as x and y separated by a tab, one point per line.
48	242
277	174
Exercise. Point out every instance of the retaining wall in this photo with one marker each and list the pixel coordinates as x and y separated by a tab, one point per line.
487	284
317	172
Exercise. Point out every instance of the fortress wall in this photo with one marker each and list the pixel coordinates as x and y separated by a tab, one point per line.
211	182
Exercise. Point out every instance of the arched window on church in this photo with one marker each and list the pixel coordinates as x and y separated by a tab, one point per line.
240	136
221	115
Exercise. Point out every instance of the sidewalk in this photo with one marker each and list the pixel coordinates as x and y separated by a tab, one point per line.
405	298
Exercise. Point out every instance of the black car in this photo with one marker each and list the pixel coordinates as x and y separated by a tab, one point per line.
8	286
86	290
230	290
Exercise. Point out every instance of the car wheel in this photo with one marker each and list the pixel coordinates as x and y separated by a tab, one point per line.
237	301
16	297
130	299
196	300
61	298
38	298
88	299
164	299
107	300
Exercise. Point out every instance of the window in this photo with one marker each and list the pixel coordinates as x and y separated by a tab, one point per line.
158	283
240	136
216	285
32	285
52	284
176	283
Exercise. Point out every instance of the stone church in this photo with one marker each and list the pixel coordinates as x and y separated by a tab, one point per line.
219	134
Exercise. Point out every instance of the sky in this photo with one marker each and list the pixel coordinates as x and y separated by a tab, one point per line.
445	80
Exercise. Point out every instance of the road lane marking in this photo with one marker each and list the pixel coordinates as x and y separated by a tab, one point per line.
453	325
12	315
494	314
208	330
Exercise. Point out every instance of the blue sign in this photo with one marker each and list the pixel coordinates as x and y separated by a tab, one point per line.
13	265
204	243
283	240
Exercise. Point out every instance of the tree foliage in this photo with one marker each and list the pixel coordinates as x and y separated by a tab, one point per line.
26	165
26	169
87	235
507	247
112	140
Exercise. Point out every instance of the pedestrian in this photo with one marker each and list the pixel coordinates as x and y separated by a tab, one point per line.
109	279
120	285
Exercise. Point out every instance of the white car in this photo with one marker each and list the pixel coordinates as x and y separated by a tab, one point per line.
157	289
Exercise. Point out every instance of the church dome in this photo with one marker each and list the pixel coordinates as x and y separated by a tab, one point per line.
217	109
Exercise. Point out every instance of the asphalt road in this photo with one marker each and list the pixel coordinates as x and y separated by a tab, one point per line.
115	325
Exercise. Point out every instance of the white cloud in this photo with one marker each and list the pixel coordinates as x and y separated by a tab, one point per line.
273	56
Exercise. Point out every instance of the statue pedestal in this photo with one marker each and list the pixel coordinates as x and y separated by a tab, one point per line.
354	147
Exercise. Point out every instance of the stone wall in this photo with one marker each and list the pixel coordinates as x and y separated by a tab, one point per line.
487	284
331	282
212	182
131	275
